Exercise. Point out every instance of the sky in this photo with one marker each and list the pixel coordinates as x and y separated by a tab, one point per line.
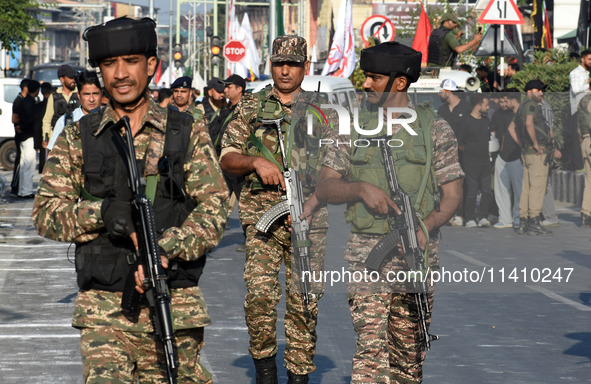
164	8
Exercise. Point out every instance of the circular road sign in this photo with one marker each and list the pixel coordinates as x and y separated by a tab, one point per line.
234	51
378	26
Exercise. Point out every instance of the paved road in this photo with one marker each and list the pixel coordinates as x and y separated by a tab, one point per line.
537	331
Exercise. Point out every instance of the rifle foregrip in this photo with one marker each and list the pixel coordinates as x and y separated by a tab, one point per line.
131	299
382	249
272	214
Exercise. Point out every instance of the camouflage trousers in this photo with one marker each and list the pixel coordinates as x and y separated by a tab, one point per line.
385	317
387	349
112	356
264	256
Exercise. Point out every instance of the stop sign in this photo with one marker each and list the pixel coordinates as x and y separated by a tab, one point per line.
234	51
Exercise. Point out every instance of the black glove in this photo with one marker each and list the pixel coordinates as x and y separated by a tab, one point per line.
117	217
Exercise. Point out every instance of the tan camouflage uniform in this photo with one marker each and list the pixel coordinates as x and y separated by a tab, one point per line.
384	317
266	252
60	214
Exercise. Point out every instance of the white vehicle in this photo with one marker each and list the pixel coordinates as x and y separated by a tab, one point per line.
428	87
431	79
339	90
9	89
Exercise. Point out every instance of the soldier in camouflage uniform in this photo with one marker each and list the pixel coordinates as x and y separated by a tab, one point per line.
385	315
251	148
83	198
183	97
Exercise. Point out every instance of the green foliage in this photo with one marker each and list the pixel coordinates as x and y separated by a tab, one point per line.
18	25
358	77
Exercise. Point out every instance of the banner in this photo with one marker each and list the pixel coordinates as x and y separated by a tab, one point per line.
341	58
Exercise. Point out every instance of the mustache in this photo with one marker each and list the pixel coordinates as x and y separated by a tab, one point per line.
119	83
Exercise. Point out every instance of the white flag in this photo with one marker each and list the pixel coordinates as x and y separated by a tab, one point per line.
341	58
252	61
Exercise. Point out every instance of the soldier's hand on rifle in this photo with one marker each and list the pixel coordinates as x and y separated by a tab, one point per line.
139	275
377	200
268	172
557	154
421	238
309	207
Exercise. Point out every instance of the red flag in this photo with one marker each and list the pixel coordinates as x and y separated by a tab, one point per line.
158	72
421	41
547	34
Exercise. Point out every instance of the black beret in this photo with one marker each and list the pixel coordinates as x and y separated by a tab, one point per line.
535	84
391	58
182	82
121	36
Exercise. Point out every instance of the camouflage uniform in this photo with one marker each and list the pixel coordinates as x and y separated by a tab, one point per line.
266	251
384	315
60	214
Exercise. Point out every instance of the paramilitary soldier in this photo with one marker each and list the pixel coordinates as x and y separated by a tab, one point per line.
84	198
385	317
444	45
530	131
251	148
584	126
183	97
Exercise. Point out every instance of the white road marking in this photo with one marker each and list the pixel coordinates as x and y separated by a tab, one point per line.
557	297
467	258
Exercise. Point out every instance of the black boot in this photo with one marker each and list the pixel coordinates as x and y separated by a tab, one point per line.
523	225
585	221
536	228
266	370
292	378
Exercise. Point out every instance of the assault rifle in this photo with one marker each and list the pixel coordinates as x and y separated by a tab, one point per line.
292	203
149	256
404	233
550	154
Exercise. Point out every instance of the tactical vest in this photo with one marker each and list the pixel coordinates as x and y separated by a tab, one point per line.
61	106
436	56
414	169
303	150
104	263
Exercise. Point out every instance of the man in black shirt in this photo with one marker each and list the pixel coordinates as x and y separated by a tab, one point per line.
454	109
474	145
508	165
24	117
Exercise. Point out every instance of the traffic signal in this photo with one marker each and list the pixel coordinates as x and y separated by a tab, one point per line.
178	55
216	50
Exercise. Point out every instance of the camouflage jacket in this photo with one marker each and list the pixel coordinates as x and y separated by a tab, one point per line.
59	213
257	198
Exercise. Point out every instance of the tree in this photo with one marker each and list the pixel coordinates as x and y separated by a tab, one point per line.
18	25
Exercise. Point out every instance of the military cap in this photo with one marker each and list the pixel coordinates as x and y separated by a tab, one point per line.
216	84
535	84
66	71
289	48
236	80
121	36
182	82
392	58
451	17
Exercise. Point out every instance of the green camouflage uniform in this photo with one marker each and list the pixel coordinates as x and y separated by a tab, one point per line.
266	252
384	316
60	214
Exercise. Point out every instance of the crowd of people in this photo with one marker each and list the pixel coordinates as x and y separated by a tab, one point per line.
199	154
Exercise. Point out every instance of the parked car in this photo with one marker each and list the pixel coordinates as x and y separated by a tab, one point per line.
9	89
48	73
